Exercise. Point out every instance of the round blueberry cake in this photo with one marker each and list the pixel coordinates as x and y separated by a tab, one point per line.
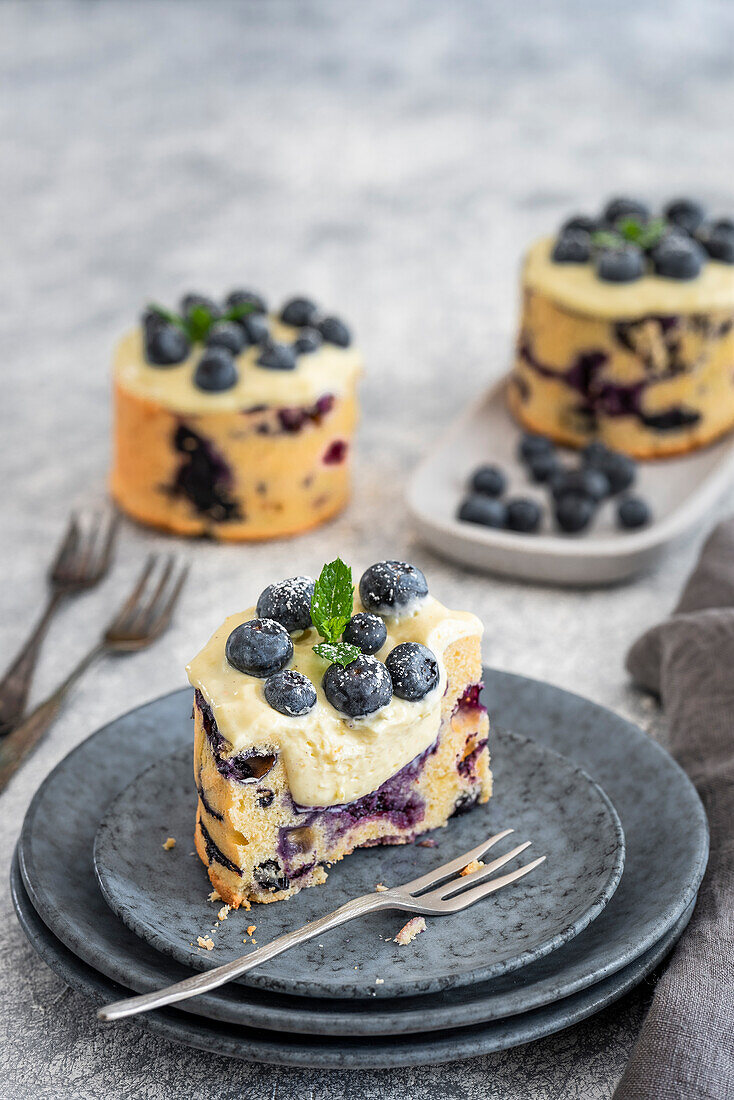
627	330
234	422
327	720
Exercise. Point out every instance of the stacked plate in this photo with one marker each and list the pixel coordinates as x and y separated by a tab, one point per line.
114	911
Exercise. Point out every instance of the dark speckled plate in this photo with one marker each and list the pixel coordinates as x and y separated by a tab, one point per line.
162	895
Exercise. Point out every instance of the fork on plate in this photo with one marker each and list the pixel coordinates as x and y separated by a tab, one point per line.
139	621
438	893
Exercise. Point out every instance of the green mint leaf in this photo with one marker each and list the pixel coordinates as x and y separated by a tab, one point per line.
332	602
652	233
166	314
340	653
198	322
604	238
234	313
631	229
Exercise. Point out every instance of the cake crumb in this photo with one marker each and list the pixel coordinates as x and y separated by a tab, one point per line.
379	981
215	896
475	865
205	941
251	928
430	843
409	931
380	887
222	914
169	843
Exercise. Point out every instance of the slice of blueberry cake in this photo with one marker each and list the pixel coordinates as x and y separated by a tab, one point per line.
234	422
326	721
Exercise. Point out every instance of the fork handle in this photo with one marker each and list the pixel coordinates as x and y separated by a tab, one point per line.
212	979
16	682
19	744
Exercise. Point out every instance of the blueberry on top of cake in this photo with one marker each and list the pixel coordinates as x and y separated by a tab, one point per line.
626	329
323	725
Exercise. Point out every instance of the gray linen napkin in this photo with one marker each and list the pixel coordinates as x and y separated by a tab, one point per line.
685	1050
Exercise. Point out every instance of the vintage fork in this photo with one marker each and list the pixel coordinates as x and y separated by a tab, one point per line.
141	619
451	894
81	562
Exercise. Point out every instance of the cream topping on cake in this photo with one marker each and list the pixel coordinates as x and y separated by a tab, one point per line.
329	369
331	759
578	288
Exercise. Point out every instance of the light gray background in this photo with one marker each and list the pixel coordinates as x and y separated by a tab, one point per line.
392	158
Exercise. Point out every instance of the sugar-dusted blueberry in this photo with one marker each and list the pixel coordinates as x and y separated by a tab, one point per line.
413	670
259	647
574	512
491	481
580	222
226	334
246	298
191	301
719	243
633	512
678	257
299	312
389	587
484	510
619	208
686	213
619	470
620	265
359	689
572	247
307	341
274	356
335	331
523	515
255	327
542	466
368	632
532	444
587	481
290	692
288	602
166	345
216	371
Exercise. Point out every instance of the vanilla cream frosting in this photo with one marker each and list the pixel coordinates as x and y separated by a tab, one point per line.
329	369
331	759
577	288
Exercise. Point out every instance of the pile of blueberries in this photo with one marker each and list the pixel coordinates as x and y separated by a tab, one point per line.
263	647
575	492
688	239
167	343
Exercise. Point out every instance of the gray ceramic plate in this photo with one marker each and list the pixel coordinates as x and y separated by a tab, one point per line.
162	895
658	806
338	1053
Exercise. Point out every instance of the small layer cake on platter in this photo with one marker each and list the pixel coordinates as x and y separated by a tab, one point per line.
326	721
234	423
627	331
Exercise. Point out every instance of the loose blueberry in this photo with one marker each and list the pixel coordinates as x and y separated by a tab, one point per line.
277	356
586	481
574	512
719	243
572	247
215	371
620	265
483	510
288	603
678	257
523	515
308	340
685	213
367	632
633	512
246	298
531	445
299	312
190	301
391	586
579	222
335	331
226	334
620	208
595	452
413	670
260	647
290	692
542	466
166	345
255	327
359	689
619	470
491	481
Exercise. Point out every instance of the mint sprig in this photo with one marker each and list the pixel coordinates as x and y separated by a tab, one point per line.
198	321
631	231
332	604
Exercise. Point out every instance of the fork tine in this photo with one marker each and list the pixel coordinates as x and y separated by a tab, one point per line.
68	544
105	553
121	619
164	614
84	567
144	612
458	885
461	901
433	878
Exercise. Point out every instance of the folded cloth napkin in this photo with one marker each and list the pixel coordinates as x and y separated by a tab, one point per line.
685	1050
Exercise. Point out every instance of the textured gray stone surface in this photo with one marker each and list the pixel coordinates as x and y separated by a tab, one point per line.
392	158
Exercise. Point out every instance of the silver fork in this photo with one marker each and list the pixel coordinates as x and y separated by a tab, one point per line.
140	620
81	562
450	895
